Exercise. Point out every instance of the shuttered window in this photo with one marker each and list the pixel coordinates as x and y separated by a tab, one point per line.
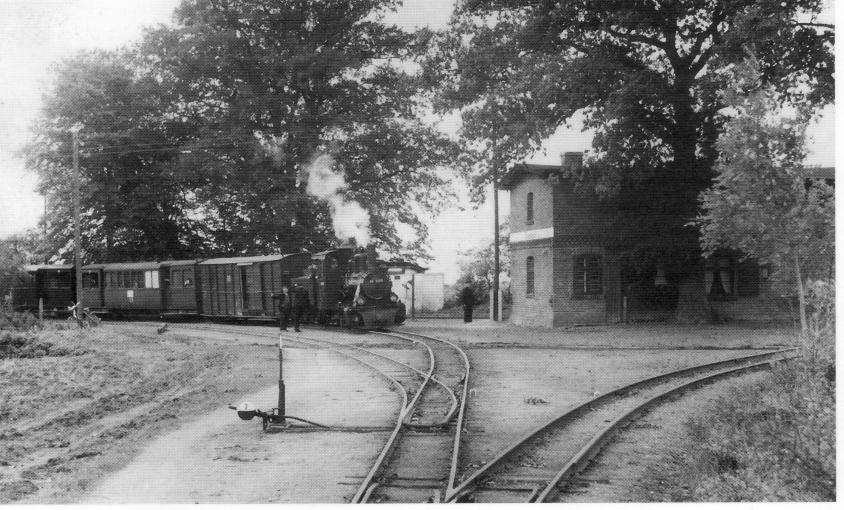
530	277
529	211
588	275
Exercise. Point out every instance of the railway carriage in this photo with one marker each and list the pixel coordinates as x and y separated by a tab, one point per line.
132	287
53	284
179	289
243	287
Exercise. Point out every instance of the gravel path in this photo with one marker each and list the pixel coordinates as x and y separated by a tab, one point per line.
221	459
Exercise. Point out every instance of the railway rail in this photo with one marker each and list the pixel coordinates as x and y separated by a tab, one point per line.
535	468
419	460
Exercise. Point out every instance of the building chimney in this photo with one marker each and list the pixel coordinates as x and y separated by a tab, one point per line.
572	161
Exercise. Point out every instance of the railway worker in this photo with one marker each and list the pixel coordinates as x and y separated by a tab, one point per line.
284	307
468	298
301	305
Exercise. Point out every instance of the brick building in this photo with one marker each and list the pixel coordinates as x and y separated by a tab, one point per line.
569	265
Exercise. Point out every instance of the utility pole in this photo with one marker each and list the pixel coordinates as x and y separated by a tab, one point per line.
77	213
497	269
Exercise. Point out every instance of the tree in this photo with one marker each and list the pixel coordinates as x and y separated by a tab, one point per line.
647	75
477	266
133	207
760	202
276	85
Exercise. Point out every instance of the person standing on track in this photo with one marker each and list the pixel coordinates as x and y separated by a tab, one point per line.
301	305
284	307
468	298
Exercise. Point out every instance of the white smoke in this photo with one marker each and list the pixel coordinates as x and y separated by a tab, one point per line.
348	217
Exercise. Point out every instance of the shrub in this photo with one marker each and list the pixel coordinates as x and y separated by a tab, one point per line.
774	440
17	321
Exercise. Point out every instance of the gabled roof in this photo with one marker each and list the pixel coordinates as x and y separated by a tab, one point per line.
522	170
820	172
408	265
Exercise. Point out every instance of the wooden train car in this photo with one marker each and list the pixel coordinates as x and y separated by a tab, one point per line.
243	287
179	289
132	287
53	285
93	288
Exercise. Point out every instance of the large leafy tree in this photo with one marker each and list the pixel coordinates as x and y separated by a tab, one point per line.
647	76
133	207
273	85
761	202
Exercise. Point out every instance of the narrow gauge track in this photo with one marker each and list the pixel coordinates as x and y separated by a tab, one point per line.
537	467
418	462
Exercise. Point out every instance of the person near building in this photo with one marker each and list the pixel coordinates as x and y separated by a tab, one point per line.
468	298
301	305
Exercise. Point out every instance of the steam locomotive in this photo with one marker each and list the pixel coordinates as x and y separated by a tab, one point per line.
345	287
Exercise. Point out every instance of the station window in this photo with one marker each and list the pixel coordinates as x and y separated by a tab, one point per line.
588	276
529	211
726	278
530	277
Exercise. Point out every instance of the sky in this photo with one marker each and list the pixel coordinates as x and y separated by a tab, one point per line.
36	33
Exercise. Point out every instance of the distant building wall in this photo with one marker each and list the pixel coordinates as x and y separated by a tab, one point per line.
429	292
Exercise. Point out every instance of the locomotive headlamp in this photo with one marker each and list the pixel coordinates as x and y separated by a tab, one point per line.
360	301
393	297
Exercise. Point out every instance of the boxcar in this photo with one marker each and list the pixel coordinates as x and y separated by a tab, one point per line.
132	287
180	288
244	286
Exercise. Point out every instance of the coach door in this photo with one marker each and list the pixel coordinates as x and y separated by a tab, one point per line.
243	277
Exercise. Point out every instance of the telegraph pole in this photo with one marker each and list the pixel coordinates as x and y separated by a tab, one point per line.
497	270
77	213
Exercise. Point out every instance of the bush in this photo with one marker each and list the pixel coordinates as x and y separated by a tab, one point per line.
774	440
17	321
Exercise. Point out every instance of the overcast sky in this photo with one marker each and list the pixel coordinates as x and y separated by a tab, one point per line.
35	33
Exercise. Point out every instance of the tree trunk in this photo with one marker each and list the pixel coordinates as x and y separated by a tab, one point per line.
801	295
692	305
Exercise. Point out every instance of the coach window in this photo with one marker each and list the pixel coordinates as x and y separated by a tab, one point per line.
588	276
530	277
91	281
529	212
150	279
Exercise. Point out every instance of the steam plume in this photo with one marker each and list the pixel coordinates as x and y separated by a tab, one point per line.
348	217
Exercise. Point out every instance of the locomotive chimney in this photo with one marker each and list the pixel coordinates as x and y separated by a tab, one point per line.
371	255
349	243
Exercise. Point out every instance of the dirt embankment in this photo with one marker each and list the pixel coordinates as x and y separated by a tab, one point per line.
85	406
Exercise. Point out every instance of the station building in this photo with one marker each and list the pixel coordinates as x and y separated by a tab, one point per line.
568	264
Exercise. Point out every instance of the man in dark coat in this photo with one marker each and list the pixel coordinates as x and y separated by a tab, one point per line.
301	305
284	307
468	298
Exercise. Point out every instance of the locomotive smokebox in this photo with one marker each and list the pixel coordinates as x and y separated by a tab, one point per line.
371	255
